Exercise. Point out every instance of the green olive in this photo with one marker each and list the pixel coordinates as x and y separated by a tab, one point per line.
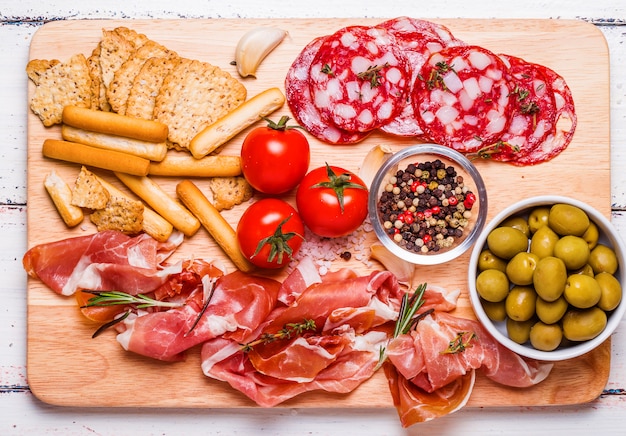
519	223
521	268
566	219
551	311
519	331
538	218
506	242
573	250
582	291
591	235
520	303
549	278
603	259
488	260
546	337
611	291
495	311
543	241
492	285
582	325
586	270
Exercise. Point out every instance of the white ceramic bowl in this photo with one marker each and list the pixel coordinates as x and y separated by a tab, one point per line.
424	153
608	236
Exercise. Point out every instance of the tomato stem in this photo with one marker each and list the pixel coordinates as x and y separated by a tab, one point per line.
278	243
338	184
281	125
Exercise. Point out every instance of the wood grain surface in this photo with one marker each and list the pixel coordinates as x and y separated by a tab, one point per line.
67	367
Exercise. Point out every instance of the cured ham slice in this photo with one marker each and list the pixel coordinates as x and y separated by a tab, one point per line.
341	352
237	304
359	78
300	102
462	98
433	363
108	260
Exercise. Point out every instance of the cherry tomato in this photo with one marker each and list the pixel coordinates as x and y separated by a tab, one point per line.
332	201
270	232
274	158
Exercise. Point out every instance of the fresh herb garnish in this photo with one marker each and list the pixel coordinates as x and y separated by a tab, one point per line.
372	74
115	298
435	80
288	331
460	343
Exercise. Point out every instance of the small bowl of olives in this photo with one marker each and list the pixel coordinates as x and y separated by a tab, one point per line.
546	276
427	204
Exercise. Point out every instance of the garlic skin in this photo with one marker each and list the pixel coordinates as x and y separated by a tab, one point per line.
373	161
254	46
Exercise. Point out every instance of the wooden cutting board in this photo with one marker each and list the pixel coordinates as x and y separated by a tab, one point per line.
67	367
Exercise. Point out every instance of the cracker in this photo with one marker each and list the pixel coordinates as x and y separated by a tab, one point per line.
119	88
98	91
146	85
122	214
88	192
117	46
229	191
60	85
194	95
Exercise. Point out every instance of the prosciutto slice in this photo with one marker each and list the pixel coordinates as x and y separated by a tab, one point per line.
108	260
341	353
435	359
238	304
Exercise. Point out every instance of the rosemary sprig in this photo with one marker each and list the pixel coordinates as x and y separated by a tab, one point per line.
460	343
435	79
372	74
288	331
115	298
408	307
204	308
110	324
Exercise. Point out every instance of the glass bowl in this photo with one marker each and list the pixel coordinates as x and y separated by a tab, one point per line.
449	218
567	349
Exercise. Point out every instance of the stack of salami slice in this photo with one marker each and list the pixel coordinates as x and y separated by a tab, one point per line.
413	78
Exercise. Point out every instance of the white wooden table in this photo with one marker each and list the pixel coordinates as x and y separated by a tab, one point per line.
21	413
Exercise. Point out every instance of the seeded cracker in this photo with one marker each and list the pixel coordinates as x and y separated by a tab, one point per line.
120	214
117	46
229	191
98	91
120	87
88	192
146	85
62	84
194	95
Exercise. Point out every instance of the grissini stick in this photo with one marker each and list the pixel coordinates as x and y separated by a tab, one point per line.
185	165
114	124
213	222
163	204
153	223
248	113
154	151
61	195
95	157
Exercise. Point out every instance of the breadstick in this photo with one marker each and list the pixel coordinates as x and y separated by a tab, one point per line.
185	165
153	223
114	124
95	157
154	151
61	195
163	204
235	121
213	222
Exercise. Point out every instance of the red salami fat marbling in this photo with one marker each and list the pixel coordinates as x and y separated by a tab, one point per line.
419	39
359	78
462	98
301	104
534	113
560	137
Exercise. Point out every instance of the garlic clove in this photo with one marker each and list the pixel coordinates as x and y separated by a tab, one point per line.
373	161
254	46
403	270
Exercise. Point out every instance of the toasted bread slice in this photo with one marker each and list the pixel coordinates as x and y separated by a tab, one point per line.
122	214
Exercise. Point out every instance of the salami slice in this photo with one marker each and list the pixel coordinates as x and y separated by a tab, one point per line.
301	104
534	110
462	98
359	78
419	39
565	125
